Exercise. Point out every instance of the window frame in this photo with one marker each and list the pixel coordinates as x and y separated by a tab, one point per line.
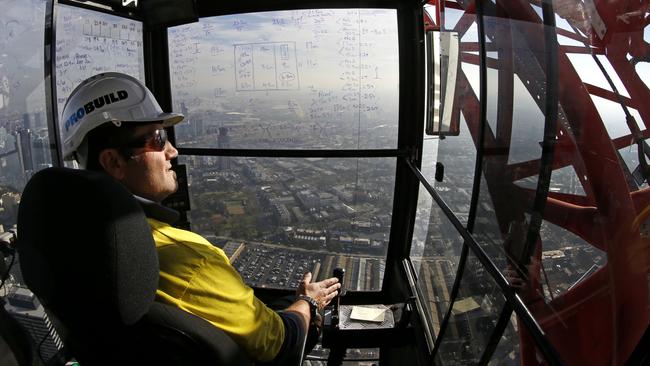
411	108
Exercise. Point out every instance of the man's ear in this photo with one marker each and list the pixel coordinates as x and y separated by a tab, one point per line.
113	163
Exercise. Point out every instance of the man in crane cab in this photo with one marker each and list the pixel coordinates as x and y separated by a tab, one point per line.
112	123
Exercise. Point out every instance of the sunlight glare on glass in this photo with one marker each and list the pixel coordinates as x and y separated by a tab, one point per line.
588	70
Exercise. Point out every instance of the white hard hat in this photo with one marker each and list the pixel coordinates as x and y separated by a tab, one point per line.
108	97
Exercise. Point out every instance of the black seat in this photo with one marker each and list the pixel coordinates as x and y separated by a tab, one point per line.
87	252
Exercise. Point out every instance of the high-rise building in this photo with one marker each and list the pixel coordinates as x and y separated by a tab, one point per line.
223	142
24	146
41	152
23	305
39	121
26	121
183	129
199	128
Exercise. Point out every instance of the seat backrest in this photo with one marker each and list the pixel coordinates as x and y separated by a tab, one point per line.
87	252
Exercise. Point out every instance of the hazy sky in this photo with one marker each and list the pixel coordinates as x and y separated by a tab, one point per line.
331	51
322	51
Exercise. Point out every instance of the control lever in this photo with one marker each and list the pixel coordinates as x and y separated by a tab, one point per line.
340	274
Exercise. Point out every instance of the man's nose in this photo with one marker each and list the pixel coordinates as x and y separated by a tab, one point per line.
170	151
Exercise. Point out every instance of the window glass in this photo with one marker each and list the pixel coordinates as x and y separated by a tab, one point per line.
25	145
311	79
567	260
508	350
278	218
89	43
513	149
435	254
612	115
473	317
455	155
563	221
630	155
590	73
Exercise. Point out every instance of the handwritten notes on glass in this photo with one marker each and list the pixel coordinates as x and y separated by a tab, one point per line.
89	43
266	66
307	78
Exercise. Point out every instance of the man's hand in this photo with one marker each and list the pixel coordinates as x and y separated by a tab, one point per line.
323	292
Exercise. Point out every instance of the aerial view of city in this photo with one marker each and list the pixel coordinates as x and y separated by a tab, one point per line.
327	87
286	81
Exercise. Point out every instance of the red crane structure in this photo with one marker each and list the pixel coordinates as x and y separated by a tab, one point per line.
599	320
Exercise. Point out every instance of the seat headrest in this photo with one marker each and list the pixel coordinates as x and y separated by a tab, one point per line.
86	249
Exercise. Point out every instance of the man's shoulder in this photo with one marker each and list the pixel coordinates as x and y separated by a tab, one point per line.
176	234
169	237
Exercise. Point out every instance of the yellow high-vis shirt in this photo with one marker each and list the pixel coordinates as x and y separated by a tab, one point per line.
198	278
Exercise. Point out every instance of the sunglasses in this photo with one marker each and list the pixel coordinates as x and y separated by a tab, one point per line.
154	141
